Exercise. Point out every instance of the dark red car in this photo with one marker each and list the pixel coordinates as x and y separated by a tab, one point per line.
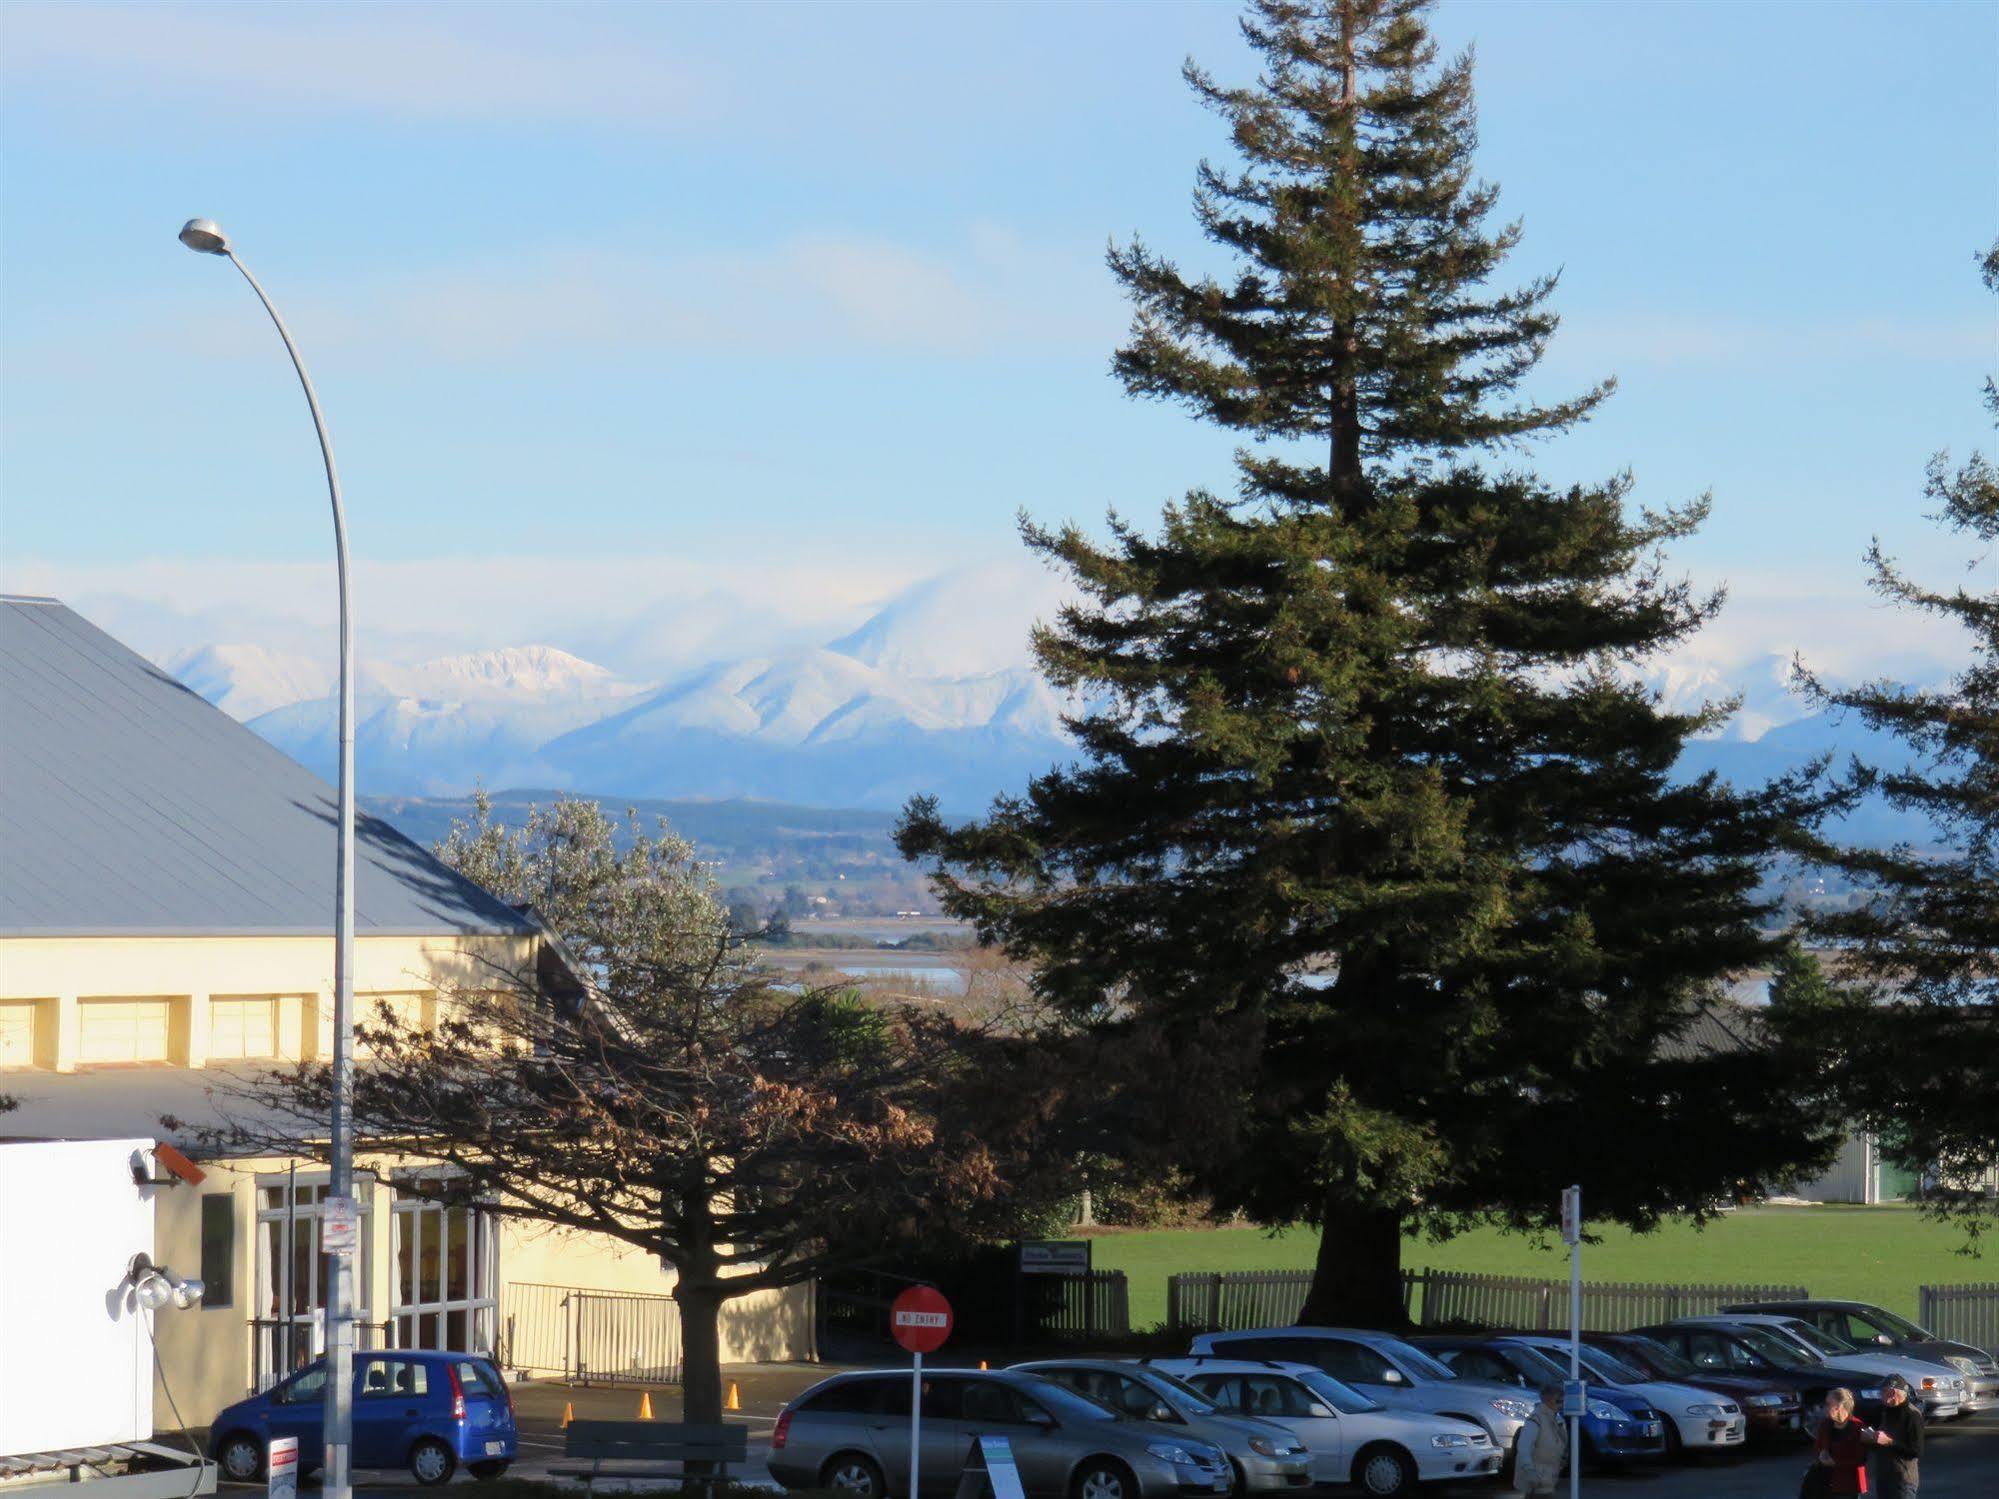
1773	1409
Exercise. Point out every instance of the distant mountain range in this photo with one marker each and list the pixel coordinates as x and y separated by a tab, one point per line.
920	698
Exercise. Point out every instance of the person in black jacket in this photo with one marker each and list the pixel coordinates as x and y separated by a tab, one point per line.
1899	1436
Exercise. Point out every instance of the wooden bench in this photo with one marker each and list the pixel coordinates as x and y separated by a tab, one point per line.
651	1442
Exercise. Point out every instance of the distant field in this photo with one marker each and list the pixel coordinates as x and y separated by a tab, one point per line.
1878	1254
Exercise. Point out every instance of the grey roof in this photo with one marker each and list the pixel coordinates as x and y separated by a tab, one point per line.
116	1103
129	806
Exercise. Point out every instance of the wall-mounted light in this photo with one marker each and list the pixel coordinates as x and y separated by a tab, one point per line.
155	1286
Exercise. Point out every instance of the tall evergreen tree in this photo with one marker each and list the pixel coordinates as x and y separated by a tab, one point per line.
1919	1056
1367	801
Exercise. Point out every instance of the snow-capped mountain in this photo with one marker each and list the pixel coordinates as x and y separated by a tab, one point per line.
931	694
246	680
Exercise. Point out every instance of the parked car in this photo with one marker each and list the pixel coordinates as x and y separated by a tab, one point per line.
1389	1370
1722	1346
1266	1457
424	1411
1772	1404
1616	1425
851	1433
1353	1438
1697	1420
1867	1326
1938	1388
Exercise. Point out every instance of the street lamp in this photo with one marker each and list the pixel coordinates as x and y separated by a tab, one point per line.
206	236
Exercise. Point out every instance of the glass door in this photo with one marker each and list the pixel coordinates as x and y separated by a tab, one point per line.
446	1281
292	1273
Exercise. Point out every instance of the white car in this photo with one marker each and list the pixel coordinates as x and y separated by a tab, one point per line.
1388	1370
1353	1439
1940	1390
1701	1420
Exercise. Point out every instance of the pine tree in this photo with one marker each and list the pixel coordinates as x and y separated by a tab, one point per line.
1920	1052
1368	801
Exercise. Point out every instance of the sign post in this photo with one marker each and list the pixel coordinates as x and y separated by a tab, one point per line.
1574	1396
920	1320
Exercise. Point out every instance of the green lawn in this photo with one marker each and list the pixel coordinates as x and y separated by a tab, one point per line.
1878	1254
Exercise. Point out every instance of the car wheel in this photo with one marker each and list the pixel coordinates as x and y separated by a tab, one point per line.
490	1469
1104	1478
431	1462
1240	1490
853	1473
1384	1470
1676	1449
241	1457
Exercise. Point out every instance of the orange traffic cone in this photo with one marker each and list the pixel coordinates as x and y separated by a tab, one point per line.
645	1406
982	1363
735	1398
568	1413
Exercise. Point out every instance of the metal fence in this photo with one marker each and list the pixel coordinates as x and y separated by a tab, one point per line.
590	1337
1964	1314
1214	1302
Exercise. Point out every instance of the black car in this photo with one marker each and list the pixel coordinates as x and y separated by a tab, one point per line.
1866	1326
1751	1350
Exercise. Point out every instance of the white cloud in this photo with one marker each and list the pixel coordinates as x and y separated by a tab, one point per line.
431	64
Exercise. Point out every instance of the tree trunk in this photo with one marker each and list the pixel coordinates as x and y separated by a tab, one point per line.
700	1350
1357	1281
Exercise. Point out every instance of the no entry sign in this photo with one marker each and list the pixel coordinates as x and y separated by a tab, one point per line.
920	1319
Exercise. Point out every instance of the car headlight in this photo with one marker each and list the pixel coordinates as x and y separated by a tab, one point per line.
1171	1452
1705	1410
1450	1439
1274	1447
1516	1410
1603	1410
1961	1364
1764	1400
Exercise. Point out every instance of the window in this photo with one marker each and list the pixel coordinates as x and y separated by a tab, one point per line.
391	1377
311	1385
480	1379
1224	1389
444	1278
850	1397
218	1247
1273	1395
988	1403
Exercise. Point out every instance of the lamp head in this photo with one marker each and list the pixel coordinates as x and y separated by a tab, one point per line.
204	235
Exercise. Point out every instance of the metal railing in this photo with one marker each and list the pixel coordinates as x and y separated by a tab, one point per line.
1215	1302
1962	1313
590	1337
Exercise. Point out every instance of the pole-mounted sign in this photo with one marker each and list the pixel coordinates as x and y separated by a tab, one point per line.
920	1320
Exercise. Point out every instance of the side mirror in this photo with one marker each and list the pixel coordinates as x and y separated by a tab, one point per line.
1036	1416
1392	1376
1884	1340
1161	1411
1322	1411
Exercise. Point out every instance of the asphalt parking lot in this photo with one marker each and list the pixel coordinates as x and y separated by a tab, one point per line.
1962	1461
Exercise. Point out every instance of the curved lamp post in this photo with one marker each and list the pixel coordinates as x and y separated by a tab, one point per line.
207	237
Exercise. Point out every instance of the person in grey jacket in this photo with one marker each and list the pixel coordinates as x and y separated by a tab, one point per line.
1544	1445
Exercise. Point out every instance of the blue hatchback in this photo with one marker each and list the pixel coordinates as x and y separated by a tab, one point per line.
427	1412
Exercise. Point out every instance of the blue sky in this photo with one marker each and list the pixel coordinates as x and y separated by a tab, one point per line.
795	304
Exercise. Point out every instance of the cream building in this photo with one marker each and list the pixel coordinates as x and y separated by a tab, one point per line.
166	889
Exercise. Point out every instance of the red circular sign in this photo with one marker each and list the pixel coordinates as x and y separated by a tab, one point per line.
920	1319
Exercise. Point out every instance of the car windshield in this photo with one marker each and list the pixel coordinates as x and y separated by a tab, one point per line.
1536	1364
1900	1328
1819	1338
1778	1350
1184	1392
1662	1358
1414	1359
1343	1398
1605	1367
